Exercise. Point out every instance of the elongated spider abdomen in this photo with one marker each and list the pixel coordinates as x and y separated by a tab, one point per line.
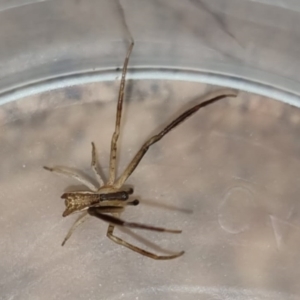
78	201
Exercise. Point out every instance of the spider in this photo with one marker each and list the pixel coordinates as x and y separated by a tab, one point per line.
110	199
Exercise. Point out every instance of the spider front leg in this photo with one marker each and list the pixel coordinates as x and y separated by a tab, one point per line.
114	139
97	212
209	99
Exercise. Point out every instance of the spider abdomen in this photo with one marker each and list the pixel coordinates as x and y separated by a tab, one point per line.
78	201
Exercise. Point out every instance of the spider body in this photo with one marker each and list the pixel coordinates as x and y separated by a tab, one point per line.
107	201
82	200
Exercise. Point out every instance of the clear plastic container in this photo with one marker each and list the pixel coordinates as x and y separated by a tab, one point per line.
228	177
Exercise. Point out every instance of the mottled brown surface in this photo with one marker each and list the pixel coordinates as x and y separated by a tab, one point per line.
228	177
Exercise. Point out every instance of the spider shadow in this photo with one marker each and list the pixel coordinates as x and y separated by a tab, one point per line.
165	206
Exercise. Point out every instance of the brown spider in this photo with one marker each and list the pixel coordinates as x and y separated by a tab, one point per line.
111	198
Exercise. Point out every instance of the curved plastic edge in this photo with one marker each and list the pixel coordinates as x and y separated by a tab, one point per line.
245	84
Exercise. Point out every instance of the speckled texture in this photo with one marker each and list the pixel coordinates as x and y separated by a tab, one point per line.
228	177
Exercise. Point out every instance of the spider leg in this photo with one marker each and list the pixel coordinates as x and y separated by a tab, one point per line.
73	174
94	211
113	149
79	221
209	99
84	215
94	165
119	241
